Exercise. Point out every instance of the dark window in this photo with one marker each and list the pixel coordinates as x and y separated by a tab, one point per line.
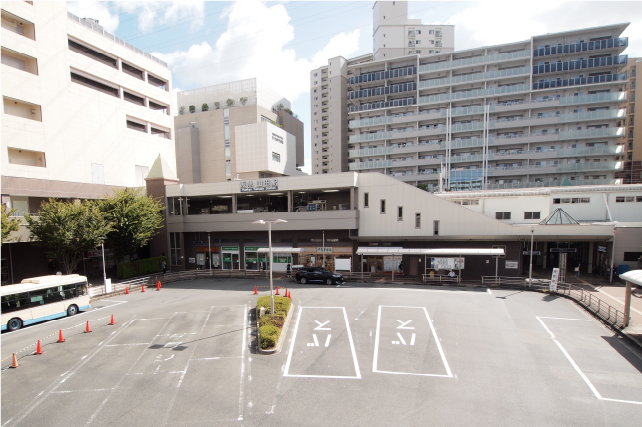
134	99
383	206
435	225
94	85
158	107
156	82
502	215
132	71
159	132
632	256
366	200
556	201
531	215
136	126
15	302
107	60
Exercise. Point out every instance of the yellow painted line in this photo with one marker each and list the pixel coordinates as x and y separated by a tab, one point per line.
609	295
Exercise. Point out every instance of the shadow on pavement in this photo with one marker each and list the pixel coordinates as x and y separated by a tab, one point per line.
633	358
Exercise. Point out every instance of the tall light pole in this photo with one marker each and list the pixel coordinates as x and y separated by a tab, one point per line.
269	223
102	247
209	252
530	270
324	248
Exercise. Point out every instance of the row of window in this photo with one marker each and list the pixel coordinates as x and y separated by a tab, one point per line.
628	199
382	209
40	297
572	200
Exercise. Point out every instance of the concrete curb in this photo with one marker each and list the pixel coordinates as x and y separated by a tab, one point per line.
279	345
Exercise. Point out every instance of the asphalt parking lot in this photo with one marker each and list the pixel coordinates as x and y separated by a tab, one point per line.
354	355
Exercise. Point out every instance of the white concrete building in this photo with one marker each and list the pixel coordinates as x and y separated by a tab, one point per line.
266	147
84	112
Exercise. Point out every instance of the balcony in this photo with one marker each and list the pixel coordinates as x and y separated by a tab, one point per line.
592	133
557	67
19	61
592	166
383	75
467	62
607	150
544	184
382	90
399	133
387	104
477	93
370	164
18	25
580	81
467	127
523	170
581	47
448	81
407	176
25	110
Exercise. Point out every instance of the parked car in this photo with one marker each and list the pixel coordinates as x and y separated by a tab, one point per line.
318	274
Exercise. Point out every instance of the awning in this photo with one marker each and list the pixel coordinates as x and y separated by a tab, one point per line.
633	276
280	250
431	252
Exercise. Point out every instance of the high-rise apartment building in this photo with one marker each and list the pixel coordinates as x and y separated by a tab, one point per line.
241	130
84	113
541	112
394	36
632	169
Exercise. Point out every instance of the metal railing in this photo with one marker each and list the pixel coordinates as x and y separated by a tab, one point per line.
440	278
116	288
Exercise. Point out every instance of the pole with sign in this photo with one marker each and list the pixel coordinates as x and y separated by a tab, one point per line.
554	278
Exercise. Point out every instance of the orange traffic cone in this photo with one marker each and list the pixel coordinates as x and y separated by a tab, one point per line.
160	284
255	291
127	291
277	290
38	348
60	338
142	288
112	320
87	329
289	294
14	364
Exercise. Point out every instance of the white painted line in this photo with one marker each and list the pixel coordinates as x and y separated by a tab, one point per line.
577	368
118	345
319	328
431	290
361	313
412	339
81	391
403	341
240	418
376	350
327	341
562	318
316	341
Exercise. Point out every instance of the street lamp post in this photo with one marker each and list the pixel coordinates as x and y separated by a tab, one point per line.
102	247
530	269
209	252
269	223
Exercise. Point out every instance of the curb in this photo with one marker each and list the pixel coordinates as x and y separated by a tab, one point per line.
279	345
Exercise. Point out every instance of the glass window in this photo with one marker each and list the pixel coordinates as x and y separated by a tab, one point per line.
435	227
366	202
619	200
276	157
383	206
418	220
399	213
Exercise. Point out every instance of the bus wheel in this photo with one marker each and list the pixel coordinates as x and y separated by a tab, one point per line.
72	310
14	324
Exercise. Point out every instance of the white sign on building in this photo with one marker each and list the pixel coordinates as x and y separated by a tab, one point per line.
447	263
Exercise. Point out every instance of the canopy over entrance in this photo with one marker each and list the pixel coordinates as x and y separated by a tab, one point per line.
432	252
633	276
281	250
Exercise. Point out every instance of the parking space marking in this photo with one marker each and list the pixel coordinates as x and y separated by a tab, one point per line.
576	367
240	418
286	371
402	342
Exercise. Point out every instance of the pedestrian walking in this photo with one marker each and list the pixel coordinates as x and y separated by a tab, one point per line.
577	271
164	266
401	269
288	270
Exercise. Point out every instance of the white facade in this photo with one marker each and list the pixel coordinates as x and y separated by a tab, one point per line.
265	147
77	118
395	35
256	92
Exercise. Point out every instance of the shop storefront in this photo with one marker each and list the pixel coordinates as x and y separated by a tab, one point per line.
253	259
324	256
230	255
203	256
381	264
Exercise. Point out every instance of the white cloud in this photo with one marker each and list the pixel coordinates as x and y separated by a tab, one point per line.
254	45
95	10
152	14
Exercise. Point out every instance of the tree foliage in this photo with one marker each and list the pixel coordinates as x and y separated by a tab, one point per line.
230	102
181	111
204	107
68	230
192	109
217	105
135	219
9	224
243	100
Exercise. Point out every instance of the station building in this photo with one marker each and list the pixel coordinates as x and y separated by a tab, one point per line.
329	217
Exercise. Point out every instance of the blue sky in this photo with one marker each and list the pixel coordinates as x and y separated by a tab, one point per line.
214	42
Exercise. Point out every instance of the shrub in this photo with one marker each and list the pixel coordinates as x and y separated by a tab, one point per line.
217	105
277	320
204	107
281	304
192	109
142	267
181	111
269	336
229	102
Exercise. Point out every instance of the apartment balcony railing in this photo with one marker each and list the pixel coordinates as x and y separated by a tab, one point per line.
371	164
580	64
364	152
466	143
579	81
387	104
591	115
473	77
395	118
399	133
592	133
581	47
466	127
473	94
592	166
372	121
382	90
594	98
465	62
544	184
607	150
376	136
383	75
467	158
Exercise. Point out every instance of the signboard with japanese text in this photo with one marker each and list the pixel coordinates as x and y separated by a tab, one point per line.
554	279
259	185
447	263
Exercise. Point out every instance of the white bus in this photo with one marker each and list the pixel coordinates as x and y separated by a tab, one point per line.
42	298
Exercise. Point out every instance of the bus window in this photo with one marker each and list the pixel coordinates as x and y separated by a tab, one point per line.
81	289
69	291
15	302
37	297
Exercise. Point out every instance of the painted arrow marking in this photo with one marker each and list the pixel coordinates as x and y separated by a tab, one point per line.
403	325
319	328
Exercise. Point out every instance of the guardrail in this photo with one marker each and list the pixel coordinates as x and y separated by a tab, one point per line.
589	301
116	288
355	275
440	278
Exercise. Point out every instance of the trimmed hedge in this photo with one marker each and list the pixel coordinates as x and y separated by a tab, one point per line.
281	304
141	267
277	320
269	336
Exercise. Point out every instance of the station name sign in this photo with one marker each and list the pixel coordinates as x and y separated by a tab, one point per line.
277	138
260	185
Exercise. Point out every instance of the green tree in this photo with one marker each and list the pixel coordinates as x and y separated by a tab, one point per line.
68	230
181	111
230	102
217	105
279	107
9	224
204	107
287	110
135	218
243	100
192	109
422	187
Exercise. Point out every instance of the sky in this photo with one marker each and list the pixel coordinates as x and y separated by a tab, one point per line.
213	42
